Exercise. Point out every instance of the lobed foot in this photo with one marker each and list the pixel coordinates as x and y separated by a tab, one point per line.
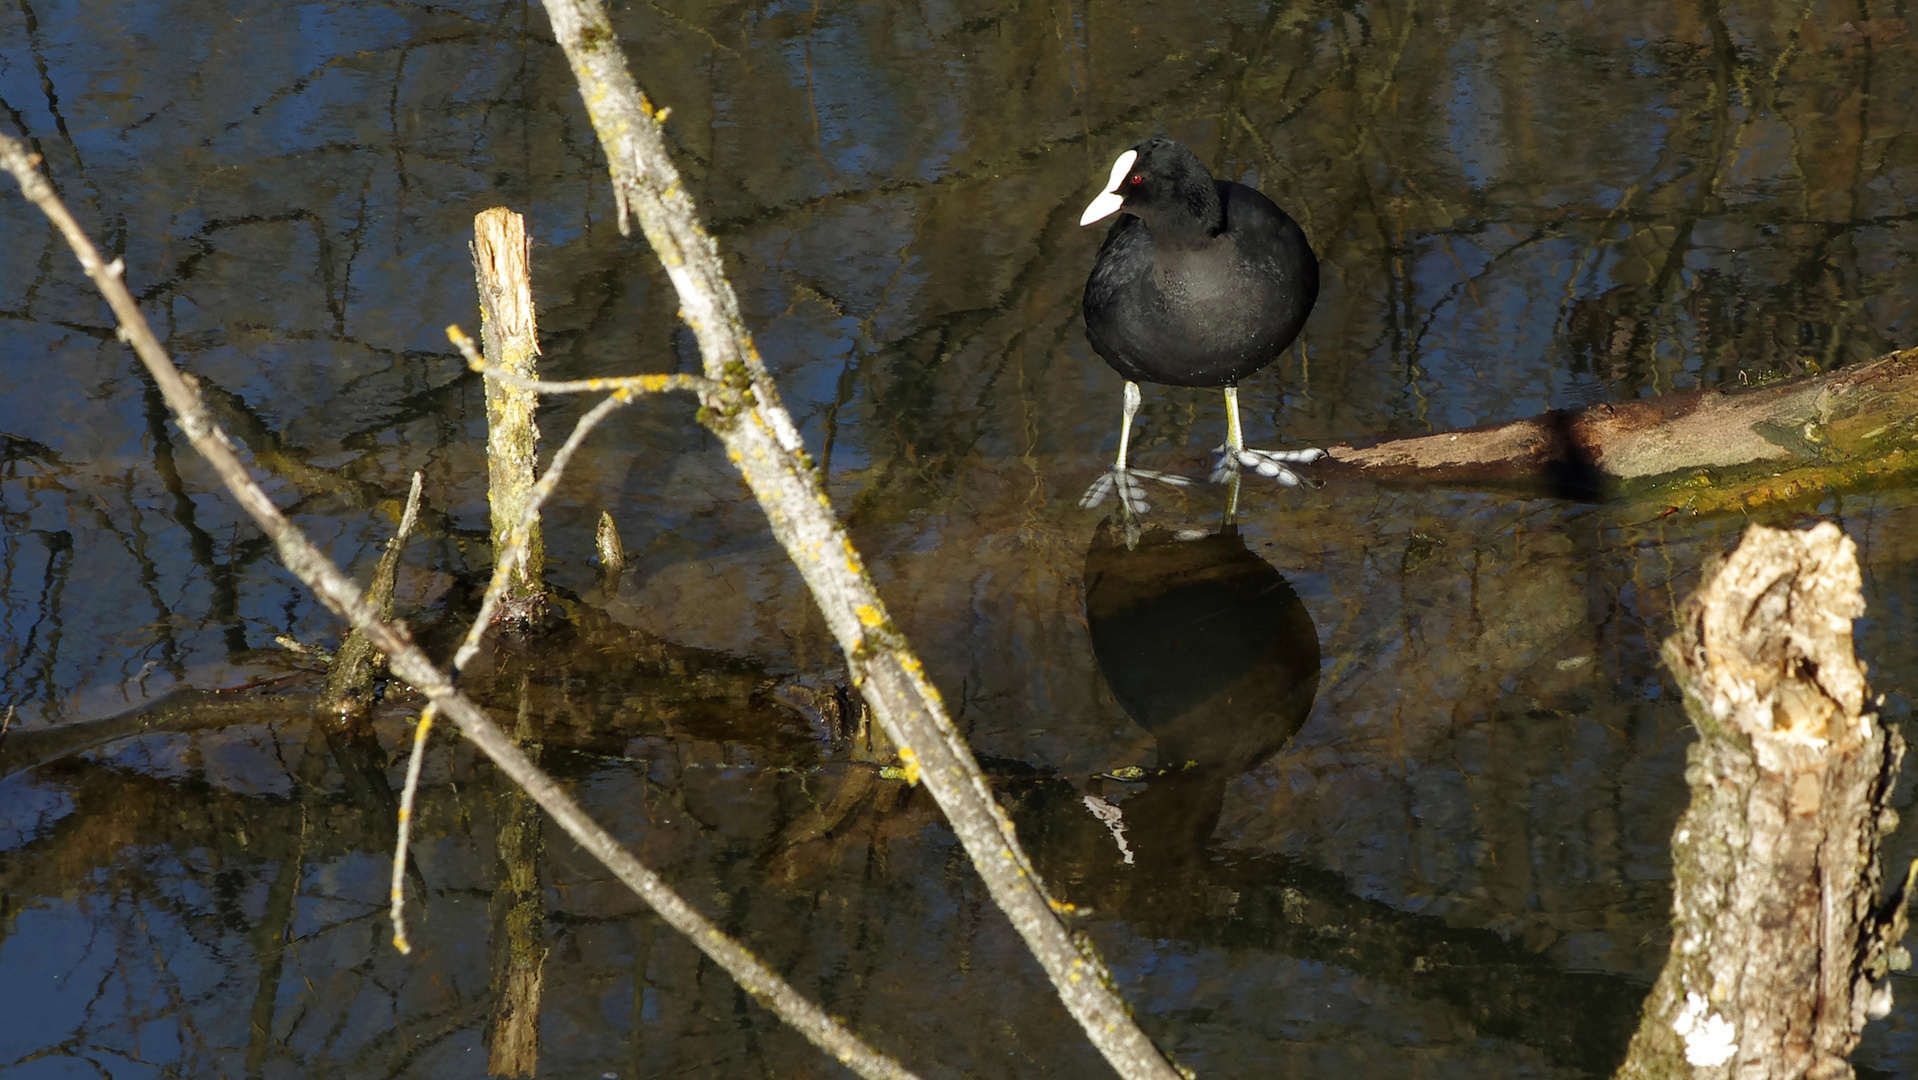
1125	482
1270	463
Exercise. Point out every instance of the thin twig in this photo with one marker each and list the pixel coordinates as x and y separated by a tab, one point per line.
398	888
632	384
388	566
300	648
408	662
410	516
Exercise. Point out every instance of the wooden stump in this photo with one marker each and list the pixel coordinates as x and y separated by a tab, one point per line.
1779	947
502	264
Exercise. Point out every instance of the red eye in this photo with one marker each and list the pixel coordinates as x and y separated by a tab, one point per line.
1138	179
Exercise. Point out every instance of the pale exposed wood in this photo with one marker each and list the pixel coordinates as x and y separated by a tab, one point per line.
1779	952
502	265
502	259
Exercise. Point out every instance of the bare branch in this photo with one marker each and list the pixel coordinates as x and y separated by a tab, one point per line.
632	384
745	411
341	596
1855	422
397	891
351	670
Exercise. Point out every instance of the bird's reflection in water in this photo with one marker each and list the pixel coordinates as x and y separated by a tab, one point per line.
1207	647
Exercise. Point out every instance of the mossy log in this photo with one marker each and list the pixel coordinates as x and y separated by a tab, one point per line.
1702	451
1779	947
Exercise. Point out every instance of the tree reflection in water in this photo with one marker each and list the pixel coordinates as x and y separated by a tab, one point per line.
1456	868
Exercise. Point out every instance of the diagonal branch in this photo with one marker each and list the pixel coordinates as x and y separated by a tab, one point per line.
760	438
407	661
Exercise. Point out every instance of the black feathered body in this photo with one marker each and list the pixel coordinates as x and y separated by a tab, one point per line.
1182	300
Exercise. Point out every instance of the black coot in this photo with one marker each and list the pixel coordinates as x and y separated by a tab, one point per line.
1201	282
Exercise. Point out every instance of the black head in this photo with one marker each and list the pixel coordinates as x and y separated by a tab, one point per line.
1163	184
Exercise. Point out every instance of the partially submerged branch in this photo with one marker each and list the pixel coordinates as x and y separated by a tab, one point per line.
520	531
408	662
611	552
1854	424
355	666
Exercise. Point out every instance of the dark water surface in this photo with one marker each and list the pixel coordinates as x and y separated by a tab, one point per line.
1437	850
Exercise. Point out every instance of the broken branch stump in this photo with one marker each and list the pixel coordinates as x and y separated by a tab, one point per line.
1779	946
502	265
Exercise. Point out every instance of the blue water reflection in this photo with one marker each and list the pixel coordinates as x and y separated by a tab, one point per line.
1516	209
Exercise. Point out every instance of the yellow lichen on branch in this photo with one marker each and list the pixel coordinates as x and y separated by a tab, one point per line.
772	460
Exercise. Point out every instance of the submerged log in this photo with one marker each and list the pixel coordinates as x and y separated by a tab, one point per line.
1802	436
1779	947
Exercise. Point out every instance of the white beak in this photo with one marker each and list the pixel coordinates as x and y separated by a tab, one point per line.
1109	200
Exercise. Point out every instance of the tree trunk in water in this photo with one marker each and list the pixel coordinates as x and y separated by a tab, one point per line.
1779	948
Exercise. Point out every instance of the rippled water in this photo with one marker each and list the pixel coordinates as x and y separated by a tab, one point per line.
1448	860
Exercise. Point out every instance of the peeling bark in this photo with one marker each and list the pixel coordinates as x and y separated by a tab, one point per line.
1779	949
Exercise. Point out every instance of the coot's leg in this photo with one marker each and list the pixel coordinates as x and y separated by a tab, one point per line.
1121	479
1270	463
1125	423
